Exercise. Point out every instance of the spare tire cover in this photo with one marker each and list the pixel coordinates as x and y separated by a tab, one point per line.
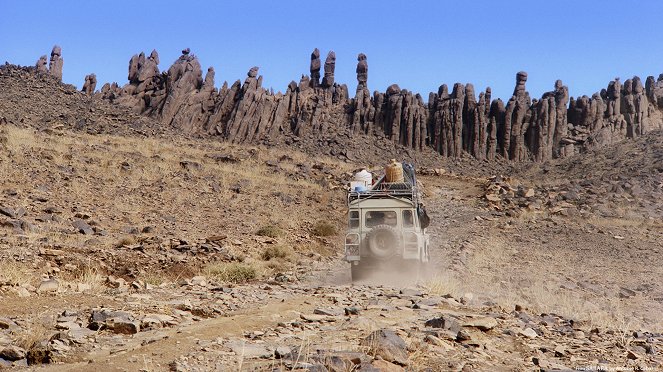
383	241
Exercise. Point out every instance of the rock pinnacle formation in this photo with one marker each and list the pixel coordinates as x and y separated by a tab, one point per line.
56	63
453	123
330	66
315	68
90	84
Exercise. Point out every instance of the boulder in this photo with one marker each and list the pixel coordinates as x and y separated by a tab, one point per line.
12	353
387	345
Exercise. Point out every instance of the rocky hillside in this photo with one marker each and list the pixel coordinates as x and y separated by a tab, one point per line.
39	100
624	180
167	254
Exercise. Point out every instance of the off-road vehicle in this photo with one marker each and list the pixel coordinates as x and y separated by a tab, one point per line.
386	227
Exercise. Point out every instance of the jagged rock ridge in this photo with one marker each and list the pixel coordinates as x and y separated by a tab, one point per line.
453	124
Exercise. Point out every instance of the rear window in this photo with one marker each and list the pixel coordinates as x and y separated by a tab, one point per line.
375	218
408	218
354	219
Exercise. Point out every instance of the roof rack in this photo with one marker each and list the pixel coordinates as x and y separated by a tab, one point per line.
382	189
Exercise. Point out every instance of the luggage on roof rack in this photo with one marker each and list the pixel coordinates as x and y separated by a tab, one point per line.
382	189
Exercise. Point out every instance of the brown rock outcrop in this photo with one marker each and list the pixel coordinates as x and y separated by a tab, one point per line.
183	77
362	69
364	112
42	65
315	68
455	123
56	63
496	120
330	66
516	121
90	84
548	123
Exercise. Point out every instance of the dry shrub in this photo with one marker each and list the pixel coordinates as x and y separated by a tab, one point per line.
444	284
277	266
323	228
232	272
88	275
275	252
34	332
15	273
154	278
270	231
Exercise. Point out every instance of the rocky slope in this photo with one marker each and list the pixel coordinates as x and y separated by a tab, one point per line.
172	269
38	100
624	180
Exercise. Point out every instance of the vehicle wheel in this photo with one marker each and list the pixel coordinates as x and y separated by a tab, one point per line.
383	242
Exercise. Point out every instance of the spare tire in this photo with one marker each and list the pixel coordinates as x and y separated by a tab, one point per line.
383	242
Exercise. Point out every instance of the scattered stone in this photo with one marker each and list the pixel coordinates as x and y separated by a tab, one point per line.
411	292
329	312
385	366
199	281
351	311
116	282
445	322
83	287
83	227
626	293
13	353
48	285
9	212
282	352
314	318
250	351
483	323
387	345
22	292
6	323
529	333
124	326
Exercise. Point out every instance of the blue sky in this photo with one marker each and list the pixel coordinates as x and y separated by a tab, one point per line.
416	44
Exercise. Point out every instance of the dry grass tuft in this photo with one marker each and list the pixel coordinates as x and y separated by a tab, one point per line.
125	241
444	284
15	273
155	278
93	278
232	272
323	228
270	231
275	252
